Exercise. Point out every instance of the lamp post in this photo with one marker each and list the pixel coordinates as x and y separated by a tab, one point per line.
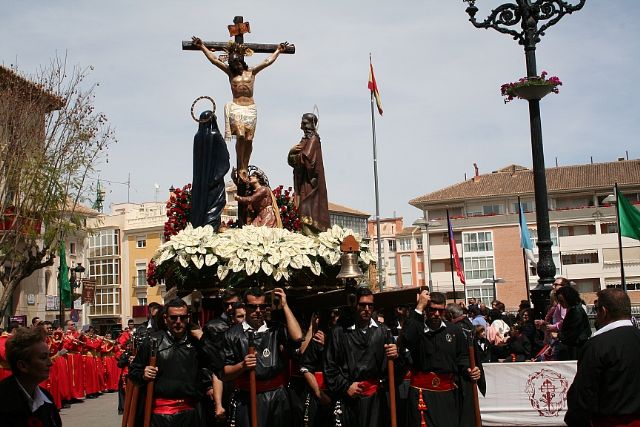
528	14
493	281
424	225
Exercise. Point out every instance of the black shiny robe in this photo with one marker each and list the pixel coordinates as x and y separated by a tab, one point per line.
180	365
210	165
608	379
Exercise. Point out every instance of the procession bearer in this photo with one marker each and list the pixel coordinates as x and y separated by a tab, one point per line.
440	359
274	344
356	367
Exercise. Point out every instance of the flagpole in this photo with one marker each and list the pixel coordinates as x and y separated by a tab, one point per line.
375	180
453	280
524	254
623	280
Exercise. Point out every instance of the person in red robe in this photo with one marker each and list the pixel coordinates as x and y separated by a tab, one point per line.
73	343
91	351
5	370
108	350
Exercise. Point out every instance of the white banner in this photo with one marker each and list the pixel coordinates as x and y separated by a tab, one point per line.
526	393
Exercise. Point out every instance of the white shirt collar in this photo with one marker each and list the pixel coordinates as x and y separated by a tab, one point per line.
613	325
34	402
262	328
428	329
372	324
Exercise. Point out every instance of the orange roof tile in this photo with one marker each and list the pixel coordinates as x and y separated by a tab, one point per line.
516	180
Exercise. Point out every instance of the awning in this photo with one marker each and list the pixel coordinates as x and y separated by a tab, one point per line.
579	252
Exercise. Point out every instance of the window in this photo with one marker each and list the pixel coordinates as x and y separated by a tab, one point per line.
107	301
556	262
492	209
529	206
391	280
141	241
104	243
407	280
405	263
419	243
534	237
608	228
483	293
392	245
477	242
141	278
142	300
72	248
392	264
405	244
105	271
478	267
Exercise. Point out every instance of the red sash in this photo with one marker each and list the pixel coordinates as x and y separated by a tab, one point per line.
172	406
369	387
320	380
432	381
242	383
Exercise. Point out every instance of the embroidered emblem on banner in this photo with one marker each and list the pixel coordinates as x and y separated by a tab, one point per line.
547	391
266	353
435	382
448	337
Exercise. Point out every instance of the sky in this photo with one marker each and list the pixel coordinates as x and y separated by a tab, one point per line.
438	76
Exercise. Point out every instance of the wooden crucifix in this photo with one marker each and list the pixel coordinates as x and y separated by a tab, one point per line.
240	113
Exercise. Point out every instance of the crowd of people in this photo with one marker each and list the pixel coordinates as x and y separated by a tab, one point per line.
335	370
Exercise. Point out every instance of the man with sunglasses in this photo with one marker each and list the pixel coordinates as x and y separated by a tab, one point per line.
440	357
356	367
180	381
606	388
274	343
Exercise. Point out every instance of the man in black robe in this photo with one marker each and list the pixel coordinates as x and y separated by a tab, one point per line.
210	165
274	345
440	359
606	388
214	331
356	367
308	178
180	381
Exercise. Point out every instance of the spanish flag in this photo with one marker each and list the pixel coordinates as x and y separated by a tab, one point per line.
373	87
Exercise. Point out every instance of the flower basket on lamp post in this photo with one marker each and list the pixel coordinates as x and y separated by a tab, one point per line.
530	88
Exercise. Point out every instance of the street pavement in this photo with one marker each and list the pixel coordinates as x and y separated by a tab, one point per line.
99	412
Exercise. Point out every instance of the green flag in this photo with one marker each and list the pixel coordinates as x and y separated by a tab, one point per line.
63	279
629	218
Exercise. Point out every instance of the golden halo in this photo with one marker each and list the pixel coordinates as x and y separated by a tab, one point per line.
194	104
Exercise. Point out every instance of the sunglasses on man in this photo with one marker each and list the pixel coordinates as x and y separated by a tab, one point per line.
254	307
176	317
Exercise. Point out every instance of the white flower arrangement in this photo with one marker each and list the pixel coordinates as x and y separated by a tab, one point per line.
276	252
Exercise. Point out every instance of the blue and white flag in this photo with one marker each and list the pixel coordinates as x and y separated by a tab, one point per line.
525	237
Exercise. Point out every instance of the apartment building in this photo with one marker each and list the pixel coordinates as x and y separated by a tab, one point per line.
120	247
484	214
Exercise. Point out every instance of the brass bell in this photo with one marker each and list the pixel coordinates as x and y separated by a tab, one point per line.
349	268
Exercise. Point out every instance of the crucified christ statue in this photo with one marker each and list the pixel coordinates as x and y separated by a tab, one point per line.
240	114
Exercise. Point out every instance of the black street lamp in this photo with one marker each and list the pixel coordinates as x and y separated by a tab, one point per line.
534	17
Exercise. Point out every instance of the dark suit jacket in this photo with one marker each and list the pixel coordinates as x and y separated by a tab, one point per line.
15	410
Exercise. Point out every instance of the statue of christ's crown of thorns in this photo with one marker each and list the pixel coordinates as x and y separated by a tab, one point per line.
234	49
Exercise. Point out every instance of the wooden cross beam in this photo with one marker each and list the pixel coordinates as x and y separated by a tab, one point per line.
237	30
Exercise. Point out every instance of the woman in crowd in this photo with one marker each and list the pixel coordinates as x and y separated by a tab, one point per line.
575	328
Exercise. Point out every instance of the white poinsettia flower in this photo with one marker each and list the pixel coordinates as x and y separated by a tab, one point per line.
198	261
183	262
222	272
267	268
210	259
315	268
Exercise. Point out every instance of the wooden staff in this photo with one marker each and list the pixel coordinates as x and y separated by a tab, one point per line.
474	385
391	372
133	404
148	404
253	398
